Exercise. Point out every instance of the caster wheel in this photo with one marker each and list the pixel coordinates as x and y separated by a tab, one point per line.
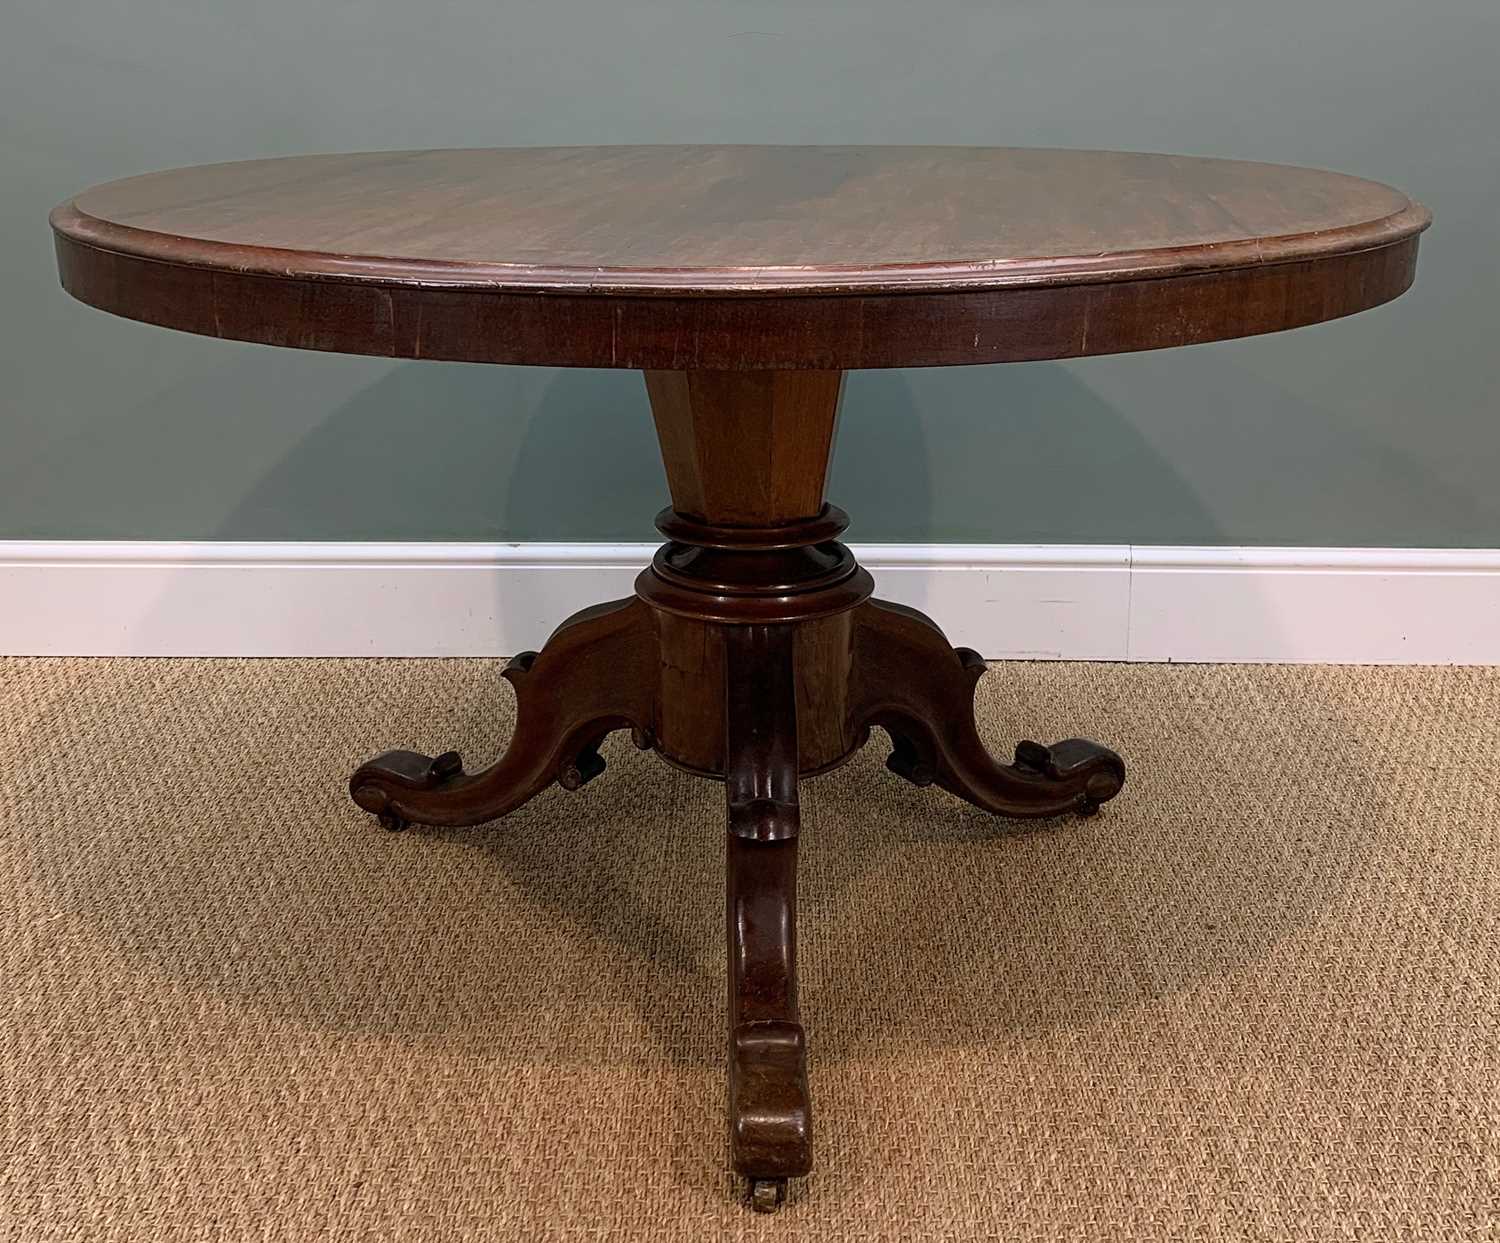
391	822
767	1194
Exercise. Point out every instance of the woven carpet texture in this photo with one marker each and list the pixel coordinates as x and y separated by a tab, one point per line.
1256	998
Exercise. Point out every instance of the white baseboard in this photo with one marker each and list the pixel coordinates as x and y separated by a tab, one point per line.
1070	602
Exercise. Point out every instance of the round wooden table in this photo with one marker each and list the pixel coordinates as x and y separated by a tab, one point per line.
744	282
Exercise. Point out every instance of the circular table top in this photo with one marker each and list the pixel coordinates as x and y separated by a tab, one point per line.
737	256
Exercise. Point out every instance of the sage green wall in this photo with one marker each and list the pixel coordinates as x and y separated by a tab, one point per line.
1378	430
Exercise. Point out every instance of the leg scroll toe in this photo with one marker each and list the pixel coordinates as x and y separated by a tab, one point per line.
908	681
596	674
374	780
1071	762
769	1109
770	1113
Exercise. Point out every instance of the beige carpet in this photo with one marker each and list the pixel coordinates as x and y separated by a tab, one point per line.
1257	998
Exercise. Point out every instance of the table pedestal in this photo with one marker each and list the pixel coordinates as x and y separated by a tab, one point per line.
752	653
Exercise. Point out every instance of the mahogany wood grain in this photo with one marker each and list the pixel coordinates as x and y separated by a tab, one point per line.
722	258
689	730
744	281
595	675
755	219
770	1109
746	448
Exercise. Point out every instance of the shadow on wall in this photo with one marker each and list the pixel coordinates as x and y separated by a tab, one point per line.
1026	453
469	452
1022	454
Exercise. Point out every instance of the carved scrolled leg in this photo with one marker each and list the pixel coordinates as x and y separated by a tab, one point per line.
909	681
769	1109
597	673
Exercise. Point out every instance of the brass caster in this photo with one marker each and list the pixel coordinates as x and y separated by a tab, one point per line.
391	822
767	1194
